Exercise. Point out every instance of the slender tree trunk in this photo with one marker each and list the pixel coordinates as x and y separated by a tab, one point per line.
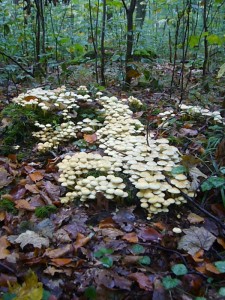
130	37
206	46
103	44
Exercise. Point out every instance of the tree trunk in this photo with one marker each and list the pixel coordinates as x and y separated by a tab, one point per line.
103	44
206	46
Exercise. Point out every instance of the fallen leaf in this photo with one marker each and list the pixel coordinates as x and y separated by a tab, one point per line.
82	240
5	280
137	114
32	238
36	176
5	178
111	280
107	223
211	268
149	234
24	204
125	219
58	252
113	233
131	237
196	238
221	241
194	218
61	261
198	257
2	216
159	292
52	190
4	244
218	209
90	138
187	132
32	188
142	280
195	173
131	259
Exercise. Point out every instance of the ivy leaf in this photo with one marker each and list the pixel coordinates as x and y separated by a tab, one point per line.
103	251
213	183
145	260
137	249
222	291
170	283
220	266
90	293
107	261
179	269
178	170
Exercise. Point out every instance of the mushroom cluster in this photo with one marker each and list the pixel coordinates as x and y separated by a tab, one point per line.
74	175
51	137
191	110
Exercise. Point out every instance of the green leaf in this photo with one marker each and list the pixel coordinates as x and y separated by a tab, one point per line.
103	251
212	183
179	269
170	283
107	261
220	266
200	298
221	71
145	260
214	39
178	170
137	249
90	293
221	291
8	296
194	41
46	295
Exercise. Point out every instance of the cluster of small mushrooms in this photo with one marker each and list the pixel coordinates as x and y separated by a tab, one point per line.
191	110
147	162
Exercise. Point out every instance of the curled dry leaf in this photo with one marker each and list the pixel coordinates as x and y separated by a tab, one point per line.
194	218
36	176
82	240
24	204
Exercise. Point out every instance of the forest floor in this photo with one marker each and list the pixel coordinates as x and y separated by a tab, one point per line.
107	250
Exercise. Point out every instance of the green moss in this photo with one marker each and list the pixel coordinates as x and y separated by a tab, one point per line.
7	205
45	211
95	173
21	125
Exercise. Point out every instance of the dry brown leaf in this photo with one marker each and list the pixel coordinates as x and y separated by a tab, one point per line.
194	218
32	188
36	176
149	234
90	138
131	259
2	216
211	268
24	204
107	223
131	237
113	233
61	261
58	252
5	178
82	240
221	241
198	257
142	280
4	244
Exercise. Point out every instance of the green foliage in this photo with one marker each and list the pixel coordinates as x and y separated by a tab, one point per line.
95	173
220	265
213	183
178	170
221	291
45	211
7	205
90	293
103	256
145	260
137	249
170	283
179	269
21	124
